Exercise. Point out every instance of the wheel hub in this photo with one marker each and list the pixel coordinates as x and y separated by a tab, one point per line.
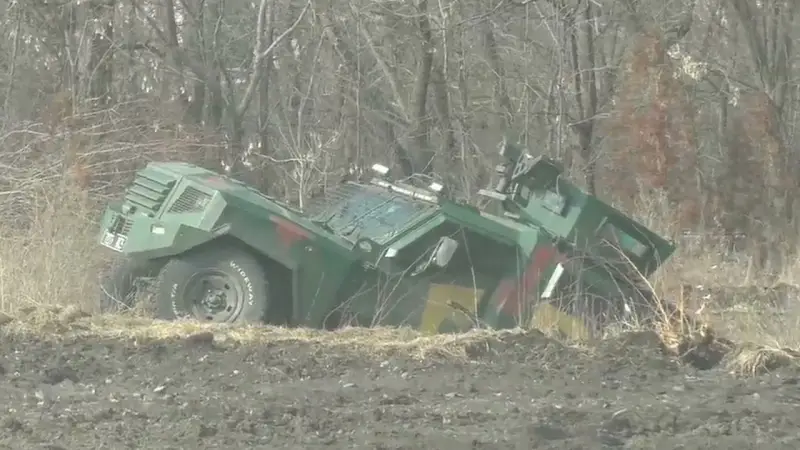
217	298
214	300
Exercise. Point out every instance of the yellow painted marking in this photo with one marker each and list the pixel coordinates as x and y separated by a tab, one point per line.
437	308
547	317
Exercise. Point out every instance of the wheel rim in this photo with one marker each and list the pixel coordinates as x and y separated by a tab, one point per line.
214	296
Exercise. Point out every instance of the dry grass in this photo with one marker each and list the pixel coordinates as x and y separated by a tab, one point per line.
752	360
731	298
55	260
56	263
70	322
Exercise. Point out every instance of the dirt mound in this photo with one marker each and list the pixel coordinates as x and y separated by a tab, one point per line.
86	382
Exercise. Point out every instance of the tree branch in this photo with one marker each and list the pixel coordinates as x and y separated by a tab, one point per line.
259	53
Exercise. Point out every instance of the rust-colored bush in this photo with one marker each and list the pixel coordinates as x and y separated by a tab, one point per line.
757	187
653	126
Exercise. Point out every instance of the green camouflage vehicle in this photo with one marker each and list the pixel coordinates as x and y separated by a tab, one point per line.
382	253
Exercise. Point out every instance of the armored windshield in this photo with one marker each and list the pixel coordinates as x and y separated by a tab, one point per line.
355	211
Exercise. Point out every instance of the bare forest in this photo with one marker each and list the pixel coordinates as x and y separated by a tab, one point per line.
683	112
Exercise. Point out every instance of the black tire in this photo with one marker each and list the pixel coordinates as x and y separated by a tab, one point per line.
218	283
118	287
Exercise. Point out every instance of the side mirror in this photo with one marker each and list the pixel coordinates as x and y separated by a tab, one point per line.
444	251
440	256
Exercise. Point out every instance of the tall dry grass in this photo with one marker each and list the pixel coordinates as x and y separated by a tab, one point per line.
52	258
726	289
55	178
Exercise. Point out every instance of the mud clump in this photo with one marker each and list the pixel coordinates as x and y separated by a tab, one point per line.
100	385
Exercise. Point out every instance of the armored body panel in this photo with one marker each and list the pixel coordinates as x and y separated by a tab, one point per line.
391	252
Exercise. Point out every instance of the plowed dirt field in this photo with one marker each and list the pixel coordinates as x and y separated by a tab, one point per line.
94	383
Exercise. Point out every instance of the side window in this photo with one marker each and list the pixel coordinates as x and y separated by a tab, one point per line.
553	201
523	195
548	198
623	240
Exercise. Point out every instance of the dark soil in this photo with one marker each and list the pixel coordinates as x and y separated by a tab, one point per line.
522	392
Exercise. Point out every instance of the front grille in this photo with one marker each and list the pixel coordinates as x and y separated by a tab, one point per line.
191	200
121	225
148	191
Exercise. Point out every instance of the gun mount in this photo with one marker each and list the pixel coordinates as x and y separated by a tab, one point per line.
534	190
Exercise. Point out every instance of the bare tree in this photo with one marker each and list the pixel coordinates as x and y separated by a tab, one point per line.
263	47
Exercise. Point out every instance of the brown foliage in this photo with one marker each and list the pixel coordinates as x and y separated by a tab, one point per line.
757	187
653	122
57	110
79	175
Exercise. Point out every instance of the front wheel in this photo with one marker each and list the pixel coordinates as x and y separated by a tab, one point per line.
216	284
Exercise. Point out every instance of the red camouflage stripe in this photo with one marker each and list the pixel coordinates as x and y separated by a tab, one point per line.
509	300
289	233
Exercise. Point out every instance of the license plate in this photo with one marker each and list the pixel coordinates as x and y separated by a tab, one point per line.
114	241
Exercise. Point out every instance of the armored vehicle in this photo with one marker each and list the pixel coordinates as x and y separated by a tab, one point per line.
387	252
